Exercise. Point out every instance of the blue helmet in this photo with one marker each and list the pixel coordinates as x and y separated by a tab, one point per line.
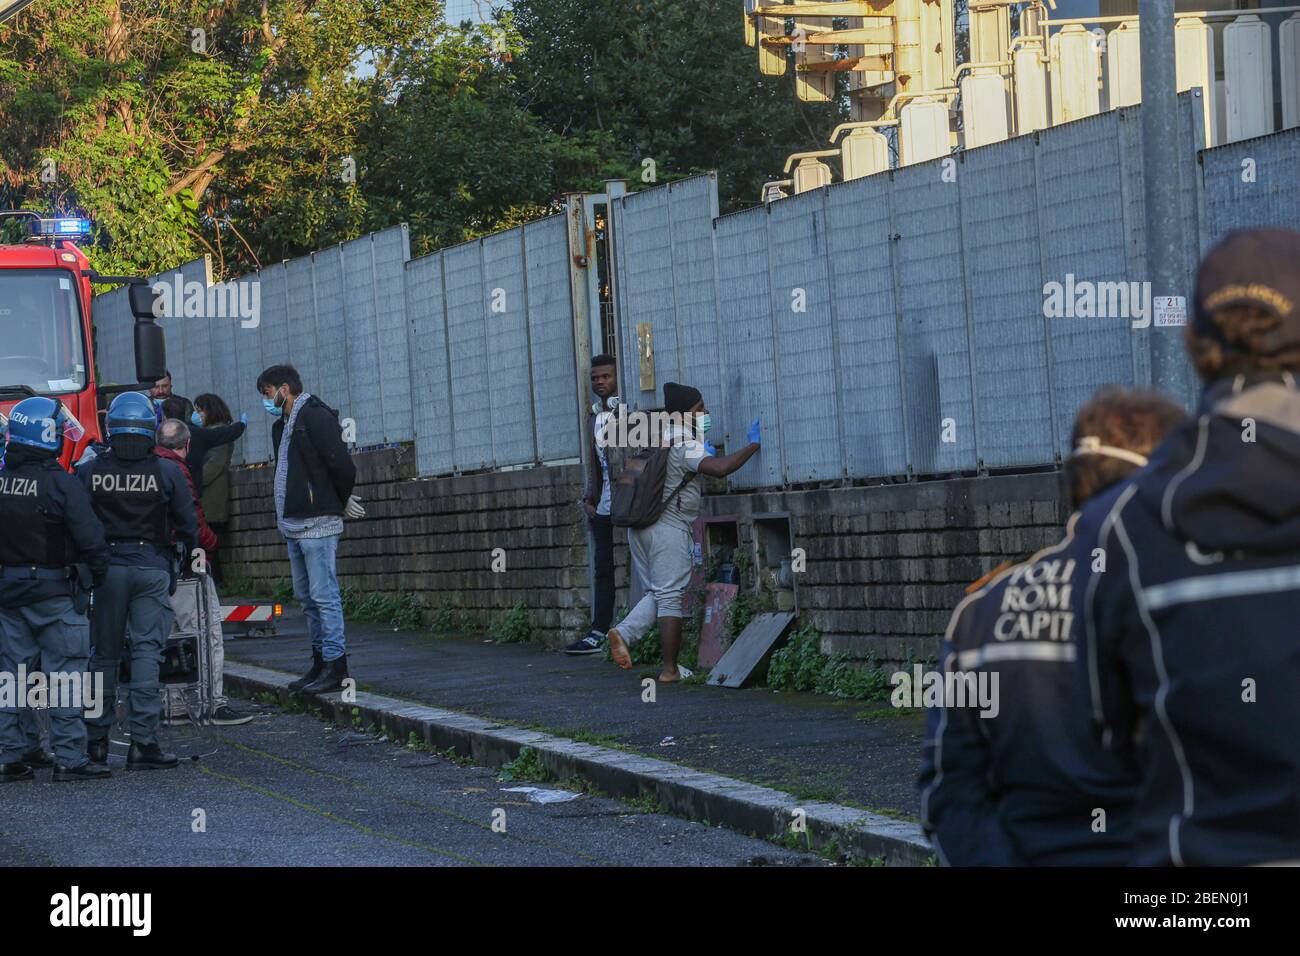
37	423
132	413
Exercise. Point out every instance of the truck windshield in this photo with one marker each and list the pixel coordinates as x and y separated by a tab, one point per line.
40	332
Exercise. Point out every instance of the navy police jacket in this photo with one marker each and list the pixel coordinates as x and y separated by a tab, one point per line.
1026	784
1192	632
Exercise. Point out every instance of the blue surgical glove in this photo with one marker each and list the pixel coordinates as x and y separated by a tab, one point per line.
708	447
243	418
755	432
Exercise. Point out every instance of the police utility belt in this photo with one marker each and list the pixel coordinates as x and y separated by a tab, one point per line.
12	572
136	545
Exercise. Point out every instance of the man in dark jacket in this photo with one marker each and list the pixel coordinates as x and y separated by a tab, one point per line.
595	502
314	477
1191	603
1023	782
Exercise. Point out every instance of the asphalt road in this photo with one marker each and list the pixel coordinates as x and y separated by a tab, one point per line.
287	789
815	747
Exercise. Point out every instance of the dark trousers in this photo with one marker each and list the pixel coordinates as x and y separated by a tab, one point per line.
214	559
602	598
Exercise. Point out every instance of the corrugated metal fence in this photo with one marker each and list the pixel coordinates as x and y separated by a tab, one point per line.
881	326
896	323
369	330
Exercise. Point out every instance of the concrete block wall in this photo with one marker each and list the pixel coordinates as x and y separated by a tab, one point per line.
885	564
435	538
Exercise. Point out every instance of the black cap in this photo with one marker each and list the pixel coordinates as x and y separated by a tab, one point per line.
1255	267
680	398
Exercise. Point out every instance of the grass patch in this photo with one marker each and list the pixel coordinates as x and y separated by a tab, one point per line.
514	628
800	665
526	767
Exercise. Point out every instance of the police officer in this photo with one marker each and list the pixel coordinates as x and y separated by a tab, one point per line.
1022	781
143	501
49	528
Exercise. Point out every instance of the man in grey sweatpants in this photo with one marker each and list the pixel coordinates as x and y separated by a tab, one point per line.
662	553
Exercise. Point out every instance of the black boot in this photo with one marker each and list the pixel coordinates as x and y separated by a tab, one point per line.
331	678
13	772
97	750
317	665
37	758
149	757
87	771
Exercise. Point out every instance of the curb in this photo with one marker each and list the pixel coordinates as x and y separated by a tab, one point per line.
694	794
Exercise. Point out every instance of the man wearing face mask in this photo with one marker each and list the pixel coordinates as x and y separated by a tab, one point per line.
595	501
314	477
663	552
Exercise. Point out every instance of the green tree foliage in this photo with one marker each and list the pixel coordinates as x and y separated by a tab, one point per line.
258	130
667	80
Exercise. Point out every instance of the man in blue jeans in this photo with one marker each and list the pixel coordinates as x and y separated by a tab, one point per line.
314	477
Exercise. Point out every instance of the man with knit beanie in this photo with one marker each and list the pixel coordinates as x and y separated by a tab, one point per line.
662	552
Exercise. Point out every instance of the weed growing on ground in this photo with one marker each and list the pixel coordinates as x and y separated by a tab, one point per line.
527	766
801	665
515	627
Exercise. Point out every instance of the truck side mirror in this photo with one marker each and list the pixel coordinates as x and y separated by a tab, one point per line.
145	302
150	350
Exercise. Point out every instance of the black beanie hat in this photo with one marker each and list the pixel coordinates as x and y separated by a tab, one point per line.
680	398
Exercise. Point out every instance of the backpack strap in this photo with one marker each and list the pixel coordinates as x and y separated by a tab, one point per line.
676	491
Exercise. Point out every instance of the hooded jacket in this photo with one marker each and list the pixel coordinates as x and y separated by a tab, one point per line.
1020	782
1192	630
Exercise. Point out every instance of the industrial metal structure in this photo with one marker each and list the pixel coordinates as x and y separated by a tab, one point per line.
913	98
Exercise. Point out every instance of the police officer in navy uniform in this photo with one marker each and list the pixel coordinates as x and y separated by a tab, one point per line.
143	501
1024	782
49	529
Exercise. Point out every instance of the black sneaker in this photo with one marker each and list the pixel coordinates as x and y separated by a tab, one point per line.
593	643
227	716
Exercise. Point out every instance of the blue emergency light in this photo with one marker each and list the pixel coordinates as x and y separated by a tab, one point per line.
60	228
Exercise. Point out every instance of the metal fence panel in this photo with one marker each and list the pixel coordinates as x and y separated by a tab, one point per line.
1004	288
367	403
866	326
434	425
805	353
467	346
1084	222
114	346
333	335
692	207
390	250
300	308
936	338
505	320
748	347
550	330
647	290
1255	182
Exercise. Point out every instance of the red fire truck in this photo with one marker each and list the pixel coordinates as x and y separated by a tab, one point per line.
46	327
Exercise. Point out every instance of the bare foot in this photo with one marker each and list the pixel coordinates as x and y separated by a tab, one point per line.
678	673
618	651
